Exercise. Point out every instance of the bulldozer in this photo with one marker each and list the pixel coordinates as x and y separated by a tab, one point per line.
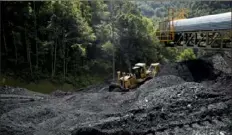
140	74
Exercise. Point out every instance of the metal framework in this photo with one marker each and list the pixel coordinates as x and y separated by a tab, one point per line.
205	39
166	28
220	39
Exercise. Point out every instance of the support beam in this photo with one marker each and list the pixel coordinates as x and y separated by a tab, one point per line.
205	39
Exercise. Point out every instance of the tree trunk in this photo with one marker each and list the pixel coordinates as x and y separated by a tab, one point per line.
76	65
1	48
64	47
128	62
16	54
36	46
112	38
54	65
66	67
52	54
1	57
128	55
63	53
4	40
28	52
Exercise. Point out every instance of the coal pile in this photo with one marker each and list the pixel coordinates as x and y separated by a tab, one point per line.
205	68
181	100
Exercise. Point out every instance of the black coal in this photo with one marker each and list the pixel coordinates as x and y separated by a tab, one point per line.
191	97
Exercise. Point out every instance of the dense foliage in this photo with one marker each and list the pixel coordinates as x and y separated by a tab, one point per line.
159	10
75	41
69	40
187	54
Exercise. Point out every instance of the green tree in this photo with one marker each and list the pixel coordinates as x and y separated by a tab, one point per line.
186	54
73	41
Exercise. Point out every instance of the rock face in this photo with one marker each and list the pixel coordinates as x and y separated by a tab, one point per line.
181	100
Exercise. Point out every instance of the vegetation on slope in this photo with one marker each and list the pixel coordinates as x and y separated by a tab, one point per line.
73	42
159	10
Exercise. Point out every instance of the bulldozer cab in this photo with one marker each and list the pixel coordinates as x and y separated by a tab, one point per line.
140	70
136	71
154	68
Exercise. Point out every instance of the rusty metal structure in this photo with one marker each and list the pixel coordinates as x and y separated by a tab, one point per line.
207	32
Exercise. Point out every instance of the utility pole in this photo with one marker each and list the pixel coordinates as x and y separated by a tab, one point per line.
112	36
36	45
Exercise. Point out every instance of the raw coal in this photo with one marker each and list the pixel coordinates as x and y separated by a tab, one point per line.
191	97
198	70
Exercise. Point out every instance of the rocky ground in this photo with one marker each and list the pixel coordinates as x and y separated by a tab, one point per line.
192	97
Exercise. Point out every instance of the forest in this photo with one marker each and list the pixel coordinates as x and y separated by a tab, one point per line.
74	44
158	10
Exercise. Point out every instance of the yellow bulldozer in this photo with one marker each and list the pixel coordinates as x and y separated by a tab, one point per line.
140	74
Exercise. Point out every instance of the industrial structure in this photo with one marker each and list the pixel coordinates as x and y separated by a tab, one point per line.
208	32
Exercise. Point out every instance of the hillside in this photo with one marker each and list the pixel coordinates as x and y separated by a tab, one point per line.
158	10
